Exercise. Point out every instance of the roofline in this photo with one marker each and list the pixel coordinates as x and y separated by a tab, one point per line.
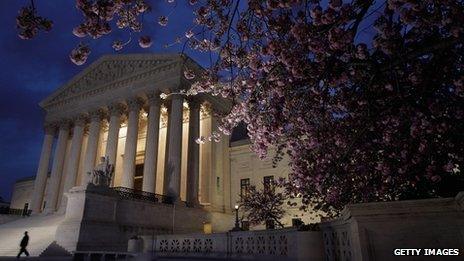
102	59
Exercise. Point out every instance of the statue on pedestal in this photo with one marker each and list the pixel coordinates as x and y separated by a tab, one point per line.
102	174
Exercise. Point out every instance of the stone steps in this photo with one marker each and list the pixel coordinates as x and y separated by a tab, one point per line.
41	230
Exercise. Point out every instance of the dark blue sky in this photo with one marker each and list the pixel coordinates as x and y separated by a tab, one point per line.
31	70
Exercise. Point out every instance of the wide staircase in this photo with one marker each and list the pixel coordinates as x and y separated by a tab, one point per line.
41	230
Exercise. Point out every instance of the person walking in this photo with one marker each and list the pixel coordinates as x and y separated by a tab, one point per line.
23	245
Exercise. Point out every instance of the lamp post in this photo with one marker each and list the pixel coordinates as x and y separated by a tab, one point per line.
237	224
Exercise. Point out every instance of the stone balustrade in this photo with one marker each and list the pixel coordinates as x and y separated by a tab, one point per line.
282	244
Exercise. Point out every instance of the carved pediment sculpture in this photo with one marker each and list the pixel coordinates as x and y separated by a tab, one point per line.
108	69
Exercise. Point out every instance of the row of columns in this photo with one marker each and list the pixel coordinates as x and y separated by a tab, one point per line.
171	186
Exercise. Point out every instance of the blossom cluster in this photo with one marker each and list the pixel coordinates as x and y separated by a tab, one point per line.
29	23
97	18
99	14
365	97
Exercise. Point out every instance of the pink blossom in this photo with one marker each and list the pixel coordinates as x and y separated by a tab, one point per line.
145	41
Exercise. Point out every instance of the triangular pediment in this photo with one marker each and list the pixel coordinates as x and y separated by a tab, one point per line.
107	69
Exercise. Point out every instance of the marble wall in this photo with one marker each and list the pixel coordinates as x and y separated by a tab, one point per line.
245	164
22	192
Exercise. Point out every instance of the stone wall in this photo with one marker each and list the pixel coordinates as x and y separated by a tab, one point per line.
279	244
22	192
98	219
372	231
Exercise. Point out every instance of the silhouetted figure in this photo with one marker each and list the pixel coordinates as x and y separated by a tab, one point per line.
23	245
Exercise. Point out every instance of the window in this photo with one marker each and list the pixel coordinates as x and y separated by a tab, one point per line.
245	225
138	179
244	186
268	182
139	170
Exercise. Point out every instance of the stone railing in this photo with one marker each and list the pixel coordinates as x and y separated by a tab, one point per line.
15	211
372	231
132	194
337	241
284	244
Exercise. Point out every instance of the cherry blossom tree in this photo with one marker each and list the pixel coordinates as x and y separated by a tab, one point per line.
366	97
263	205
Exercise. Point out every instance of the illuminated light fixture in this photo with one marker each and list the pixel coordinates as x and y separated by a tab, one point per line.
237	223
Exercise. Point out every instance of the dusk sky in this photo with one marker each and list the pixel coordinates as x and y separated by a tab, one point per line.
33	69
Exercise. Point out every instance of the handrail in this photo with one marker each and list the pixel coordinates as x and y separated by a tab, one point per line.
15	211
133	194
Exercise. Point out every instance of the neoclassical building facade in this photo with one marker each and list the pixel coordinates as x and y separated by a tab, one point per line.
113	109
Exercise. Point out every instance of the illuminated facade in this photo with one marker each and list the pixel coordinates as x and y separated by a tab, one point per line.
113	109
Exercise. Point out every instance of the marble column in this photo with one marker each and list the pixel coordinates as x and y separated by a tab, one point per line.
115	111
193	156
42	170
70	173
130	150
174	143
90	156
57	168
151	145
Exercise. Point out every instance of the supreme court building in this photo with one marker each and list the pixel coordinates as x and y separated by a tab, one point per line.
113	109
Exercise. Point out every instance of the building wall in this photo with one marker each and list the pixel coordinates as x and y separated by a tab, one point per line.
205	155
245	164
212	167
22	192
222	167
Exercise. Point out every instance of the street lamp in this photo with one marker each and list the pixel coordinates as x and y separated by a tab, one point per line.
237	224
